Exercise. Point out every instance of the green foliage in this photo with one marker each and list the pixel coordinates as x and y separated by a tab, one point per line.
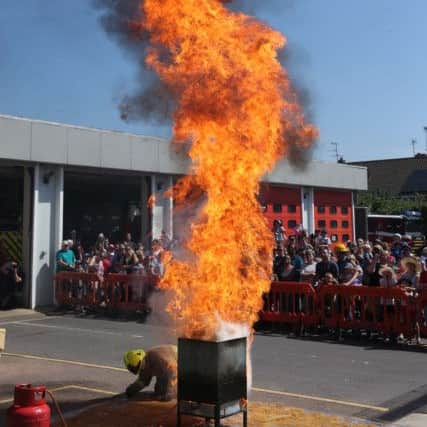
383	203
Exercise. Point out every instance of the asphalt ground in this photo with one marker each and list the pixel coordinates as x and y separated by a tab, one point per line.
79	358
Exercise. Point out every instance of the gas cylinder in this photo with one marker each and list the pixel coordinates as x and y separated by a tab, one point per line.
29	408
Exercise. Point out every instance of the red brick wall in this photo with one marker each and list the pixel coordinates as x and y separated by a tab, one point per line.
333	212
282	203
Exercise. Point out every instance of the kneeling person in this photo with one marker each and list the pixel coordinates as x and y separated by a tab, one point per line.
159	362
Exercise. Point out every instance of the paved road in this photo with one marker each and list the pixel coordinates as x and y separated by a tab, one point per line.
363	379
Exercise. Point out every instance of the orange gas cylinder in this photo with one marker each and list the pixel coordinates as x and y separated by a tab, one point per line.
29	408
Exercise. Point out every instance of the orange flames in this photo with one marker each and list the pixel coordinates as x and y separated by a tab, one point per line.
236	106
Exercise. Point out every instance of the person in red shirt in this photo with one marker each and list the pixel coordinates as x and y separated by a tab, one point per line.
106	262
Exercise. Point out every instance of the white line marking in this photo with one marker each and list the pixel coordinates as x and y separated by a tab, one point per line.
13	322
68	328
321	399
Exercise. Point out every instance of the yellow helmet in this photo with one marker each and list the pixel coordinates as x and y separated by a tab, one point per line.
340	247
133	359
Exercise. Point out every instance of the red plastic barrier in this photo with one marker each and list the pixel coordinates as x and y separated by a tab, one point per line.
76	288
370	308
422	310
127	292
290	303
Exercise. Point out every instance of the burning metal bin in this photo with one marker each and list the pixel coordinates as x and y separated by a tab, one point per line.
212	379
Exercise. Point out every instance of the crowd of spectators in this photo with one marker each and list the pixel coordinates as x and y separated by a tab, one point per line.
315	259
126	257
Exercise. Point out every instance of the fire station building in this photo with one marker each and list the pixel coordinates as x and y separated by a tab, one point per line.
59	181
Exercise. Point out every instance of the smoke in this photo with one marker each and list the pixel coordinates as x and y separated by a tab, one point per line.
152	100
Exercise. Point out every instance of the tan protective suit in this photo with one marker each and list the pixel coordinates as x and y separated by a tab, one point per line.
159	362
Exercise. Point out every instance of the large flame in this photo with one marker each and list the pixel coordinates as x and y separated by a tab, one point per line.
236	106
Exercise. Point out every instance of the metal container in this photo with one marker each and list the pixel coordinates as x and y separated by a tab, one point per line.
212	379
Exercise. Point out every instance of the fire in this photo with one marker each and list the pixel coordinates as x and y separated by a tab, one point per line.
236	106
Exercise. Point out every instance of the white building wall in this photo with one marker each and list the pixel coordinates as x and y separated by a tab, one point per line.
307	203
38	141
162	210
47	215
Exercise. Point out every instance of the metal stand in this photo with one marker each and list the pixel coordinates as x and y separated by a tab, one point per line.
216	415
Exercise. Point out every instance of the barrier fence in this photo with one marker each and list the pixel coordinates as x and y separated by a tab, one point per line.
126	292
290	302
388	311
422	311
356	308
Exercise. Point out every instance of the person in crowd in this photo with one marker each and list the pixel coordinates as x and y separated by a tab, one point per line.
289	272
406	250
423	260
350	275
140	267
130	260
410	275
297	261
129	243
106	261
378	261
165	241
388	277
79	255
326	265
342	253
65	258
156	258
11	279
308	273
396	246
96	265
278	263
324	239
101	242
327	280
279	232
118	259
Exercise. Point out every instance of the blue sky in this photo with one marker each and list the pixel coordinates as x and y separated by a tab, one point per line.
364	63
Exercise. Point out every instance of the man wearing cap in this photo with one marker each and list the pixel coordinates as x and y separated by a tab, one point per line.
65	258
159	362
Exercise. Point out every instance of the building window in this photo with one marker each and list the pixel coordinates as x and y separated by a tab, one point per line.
321	209
345	237
344	210
334	224
292	208
345	224
321	223
292	223
333	210
277	207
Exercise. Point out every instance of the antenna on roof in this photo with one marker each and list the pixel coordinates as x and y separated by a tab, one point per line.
413	142
425	130
335	150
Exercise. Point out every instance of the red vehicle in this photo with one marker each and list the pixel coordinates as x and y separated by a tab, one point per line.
385	226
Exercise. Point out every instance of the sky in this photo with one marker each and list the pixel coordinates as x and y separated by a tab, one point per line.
363	63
